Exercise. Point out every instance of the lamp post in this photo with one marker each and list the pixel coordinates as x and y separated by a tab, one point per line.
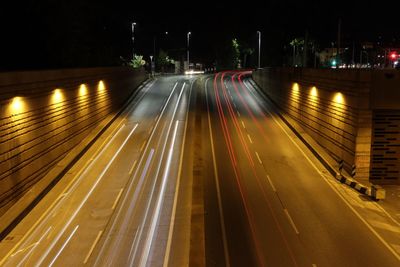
259	47
188	42
133	39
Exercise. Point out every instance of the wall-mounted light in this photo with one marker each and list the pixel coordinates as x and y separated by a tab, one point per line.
338	98
17	105
101	86
295	88
82	89
314	91
57	96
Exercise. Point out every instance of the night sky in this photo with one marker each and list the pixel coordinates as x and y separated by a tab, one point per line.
40	34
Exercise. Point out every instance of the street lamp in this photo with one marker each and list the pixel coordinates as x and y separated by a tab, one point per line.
259	47
133	39
188	42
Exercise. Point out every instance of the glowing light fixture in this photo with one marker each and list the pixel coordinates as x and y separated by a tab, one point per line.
295	87
101	87
82	90
314	91
16	105
57	96
338	98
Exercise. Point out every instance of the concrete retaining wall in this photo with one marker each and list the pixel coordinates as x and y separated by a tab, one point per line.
336	108
45	114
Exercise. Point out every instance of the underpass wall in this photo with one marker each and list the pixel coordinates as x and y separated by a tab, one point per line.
339	110
45	114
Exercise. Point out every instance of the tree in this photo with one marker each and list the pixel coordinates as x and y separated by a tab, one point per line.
137	62
163	60
296	43
235	53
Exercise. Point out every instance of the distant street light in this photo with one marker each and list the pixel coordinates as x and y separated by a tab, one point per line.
259	47
133	39
188	42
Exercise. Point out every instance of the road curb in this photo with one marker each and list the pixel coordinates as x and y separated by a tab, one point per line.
375	192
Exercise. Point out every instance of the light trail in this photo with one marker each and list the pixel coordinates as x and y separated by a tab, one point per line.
61	232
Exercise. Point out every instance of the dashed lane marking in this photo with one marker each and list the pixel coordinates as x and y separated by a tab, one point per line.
291	221
92	247
258	157
270	182
118	197
248	136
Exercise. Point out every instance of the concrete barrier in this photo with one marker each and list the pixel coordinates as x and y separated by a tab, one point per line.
46	114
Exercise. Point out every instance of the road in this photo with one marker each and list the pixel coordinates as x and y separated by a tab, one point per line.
196	171
269	202
116	205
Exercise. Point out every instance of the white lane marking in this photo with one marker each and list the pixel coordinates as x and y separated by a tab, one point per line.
35	227
342	197
251	141
117	198
244	126
31	248
270	182
100	177
333	188
93	246
133	167
173	213
234	104
221	211
156	214
291	221
154	218
258	157
62	248
136	191
238	113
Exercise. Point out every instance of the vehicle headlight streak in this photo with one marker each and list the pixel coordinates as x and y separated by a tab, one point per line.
124	215
61	232
156	213
160	199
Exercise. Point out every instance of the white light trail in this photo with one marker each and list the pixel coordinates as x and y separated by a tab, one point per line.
61	232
